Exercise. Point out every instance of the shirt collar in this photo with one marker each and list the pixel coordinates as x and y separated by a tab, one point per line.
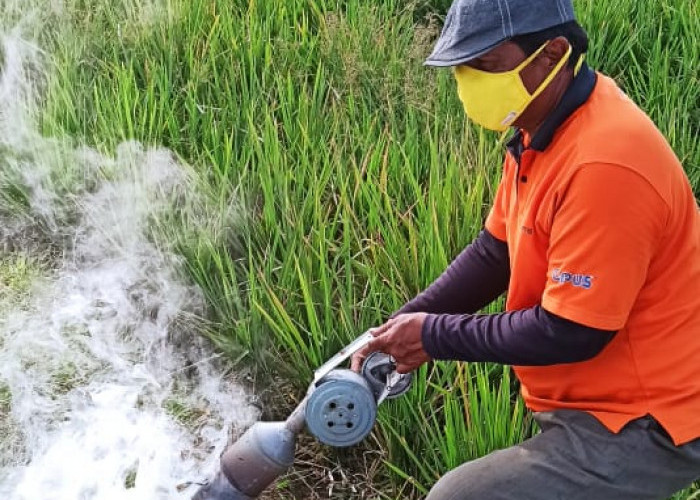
578	92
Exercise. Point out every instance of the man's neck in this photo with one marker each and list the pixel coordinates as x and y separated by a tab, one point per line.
551	98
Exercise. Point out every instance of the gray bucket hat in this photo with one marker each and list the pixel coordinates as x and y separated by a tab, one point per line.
473	27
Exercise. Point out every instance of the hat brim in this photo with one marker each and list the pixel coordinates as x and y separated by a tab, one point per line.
454	56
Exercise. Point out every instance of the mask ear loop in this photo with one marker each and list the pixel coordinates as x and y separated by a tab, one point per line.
577	67
579	63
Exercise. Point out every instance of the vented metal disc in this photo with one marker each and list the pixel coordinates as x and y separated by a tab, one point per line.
379	370
341	410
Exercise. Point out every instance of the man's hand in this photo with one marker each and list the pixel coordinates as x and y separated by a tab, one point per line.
399	337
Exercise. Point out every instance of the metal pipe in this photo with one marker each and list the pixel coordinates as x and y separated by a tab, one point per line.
297	420
219	488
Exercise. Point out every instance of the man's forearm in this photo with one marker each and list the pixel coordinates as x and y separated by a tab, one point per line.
474	279
528	337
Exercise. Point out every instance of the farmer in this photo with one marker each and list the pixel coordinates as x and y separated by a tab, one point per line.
595	234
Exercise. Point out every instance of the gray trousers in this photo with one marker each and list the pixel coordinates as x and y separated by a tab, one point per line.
576	458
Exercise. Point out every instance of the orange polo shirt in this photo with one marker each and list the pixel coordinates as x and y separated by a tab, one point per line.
603	229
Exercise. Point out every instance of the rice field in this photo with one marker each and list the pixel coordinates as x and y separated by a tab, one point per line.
347	177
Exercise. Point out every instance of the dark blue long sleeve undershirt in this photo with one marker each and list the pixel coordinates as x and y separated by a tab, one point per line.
531	337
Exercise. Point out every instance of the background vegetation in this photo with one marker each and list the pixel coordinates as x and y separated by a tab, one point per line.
357	176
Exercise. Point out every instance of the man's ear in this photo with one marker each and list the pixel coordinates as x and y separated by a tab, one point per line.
554	51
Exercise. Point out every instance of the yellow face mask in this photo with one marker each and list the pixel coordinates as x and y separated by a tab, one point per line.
495	100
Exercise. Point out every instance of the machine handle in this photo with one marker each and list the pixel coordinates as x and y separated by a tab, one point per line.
343	355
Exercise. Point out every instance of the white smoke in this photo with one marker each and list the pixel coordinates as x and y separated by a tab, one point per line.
113	394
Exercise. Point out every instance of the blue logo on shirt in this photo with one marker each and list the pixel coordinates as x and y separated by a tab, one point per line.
579	280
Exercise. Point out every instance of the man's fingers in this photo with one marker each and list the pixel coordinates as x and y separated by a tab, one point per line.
404	368
382	328
357	358
382	342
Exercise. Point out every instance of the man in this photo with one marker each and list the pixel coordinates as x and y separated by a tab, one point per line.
595	234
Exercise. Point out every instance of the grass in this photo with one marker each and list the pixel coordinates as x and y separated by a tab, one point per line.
5	403
66	377
17	273
183	413
353	174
